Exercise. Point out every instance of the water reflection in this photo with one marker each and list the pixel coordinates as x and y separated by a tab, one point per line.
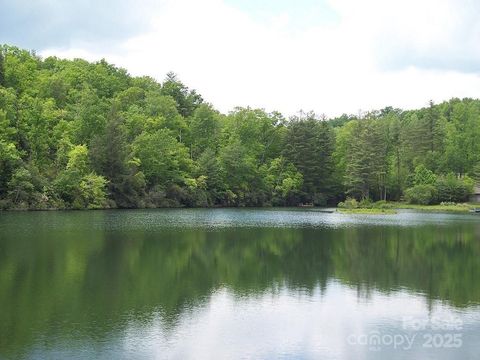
216	284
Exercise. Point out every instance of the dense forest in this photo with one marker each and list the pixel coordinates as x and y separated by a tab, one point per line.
75	134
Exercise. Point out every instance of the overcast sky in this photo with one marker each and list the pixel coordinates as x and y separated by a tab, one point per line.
330	56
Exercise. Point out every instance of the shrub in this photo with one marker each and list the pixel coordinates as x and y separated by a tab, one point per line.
365	204
91	192
319	199
349	203
421	194
382	204
424	176
448	203
452	189
156	197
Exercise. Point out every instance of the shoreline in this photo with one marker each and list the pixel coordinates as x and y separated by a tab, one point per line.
389	208
463	208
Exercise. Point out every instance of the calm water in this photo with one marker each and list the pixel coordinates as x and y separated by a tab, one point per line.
234	284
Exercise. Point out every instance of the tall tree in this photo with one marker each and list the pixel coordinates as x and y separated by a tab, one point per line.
155	144
309	145
110	158
2	69
163	159
209	167
204	130
187	100
431	137
463	131
366	170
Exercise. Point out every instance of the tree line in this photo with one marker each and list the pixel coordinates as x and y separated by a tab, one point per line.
75	134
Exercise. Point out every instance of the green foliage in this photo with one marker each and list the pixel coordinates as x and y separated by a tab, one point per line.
283	180
19	68
309	146
20	186
77	185
214	177
366	160
475	173
365	203
423	176
88	112
243	175
368	211
9	160
2	69
89	135
91	192
421	194
163	160
453	189
352	204
204	130
349	203
187	100
446	188
382	204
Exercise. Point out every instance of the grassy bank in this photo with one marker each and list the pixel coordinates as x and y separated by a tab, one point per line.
456	208
390	207
368	211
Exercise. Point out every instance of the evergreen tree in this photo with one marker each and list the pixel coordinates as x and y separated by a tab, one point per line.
110	158
366	171
309	145
76	134
187	100
358	156
476	173
2	70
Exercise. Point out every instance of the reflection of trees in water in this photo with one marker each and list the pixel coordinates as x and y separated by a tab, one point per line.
93	283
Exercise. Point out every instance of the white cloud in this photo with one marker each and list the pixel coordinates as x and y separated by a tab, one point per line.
439	34
380	53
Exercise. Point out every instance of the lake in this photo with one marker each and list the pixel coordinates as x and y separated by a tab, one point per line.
239	284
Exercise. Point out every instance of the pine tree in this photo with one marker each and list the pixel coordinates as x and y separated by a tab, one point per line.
2	69
309	145
431	135
367	166
476	173
109	157
358	167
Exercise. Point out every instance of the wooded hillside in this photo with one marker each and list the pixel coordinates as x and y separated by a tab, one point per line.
75	134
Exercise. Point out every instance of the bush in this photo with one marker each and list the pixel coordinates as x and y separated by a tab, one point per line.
92	193
319	199
382	204
365	204
349	203
421	194
156	197
424	176
448	203
453	189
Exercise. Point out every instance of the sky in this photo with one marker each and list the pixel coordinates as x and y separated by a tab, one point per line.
329	56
